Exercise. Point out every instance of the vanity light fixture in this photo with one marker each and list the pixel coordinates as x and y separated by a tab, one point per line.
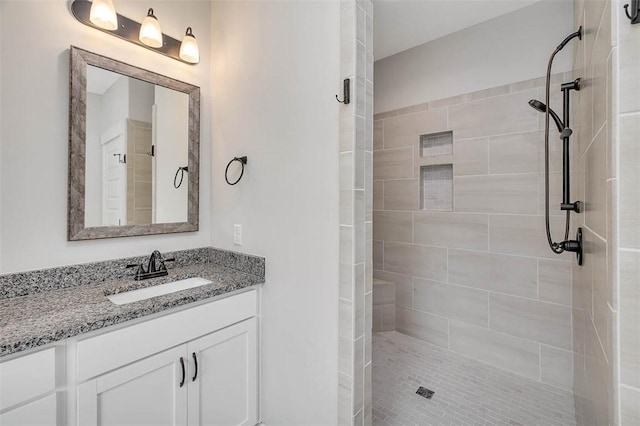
97	14
189	48
150	32
103	14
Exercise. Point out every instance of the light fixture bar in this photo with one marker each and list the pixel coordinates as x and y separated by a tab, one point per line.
128	29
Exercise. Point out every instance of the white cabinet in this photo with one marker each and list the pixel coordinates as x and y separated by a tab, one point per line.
224	390
195	366
41	412
198	366
208	381
27	390
147	392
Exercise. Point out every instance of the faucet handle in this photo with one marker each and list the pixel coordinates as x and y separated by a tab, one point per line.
140	271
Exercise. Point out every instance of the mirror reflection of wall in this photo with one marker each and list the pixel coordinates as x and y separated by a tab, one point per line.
136	139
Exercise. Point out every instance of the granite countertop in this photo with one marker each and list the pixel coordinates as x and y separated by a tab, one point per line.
37	319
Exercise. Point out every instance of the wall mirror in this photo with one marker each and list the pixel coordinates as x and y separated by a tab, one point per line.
134	142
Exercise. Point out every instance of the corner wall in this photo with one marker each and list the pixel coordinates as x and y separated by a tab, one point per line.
624	183
34	132
595	300
275	72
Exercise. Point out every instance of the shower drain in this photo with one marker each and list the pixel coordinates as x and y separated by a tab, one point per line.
422	391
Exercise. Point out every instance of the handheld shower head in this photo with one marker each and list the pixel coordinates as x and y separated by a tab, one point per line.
569	38
539	106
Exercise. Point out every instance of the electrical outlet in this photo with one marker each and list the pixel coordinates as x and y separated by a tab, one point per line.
237	235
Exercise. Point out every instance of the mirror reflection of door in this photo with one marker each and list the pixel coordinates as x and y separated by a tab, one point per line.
136	139
114	176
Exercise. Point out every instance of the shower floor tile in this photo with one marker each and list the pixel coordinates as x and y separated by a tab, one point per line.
467	392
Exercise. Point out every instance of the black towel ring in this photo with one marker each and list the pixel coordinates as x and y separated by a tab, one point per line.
243	161
175	178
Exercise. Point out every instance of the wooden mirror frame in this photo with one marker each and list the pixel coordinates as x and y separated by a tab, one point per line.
77	230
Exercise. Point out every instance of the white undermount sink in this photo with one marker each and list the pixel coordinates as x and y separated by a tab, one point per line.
157	290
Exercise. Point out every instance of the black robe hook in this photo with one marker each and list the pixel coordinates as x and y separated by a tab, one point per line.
347	97
635	10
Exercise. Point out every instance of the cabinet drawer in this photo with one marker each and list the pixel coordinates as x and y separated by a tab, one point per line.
26	377
111	350
41	412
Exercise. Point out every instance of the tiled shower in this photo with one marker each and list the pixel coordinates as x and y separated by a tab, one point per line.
458	227
458	231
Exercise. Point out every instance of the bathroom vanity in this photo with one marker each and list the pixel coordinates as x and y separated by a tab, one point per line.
188	357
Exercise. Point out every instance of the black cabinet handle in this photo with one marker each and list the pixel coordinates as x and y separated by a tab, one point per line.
183	372
195	360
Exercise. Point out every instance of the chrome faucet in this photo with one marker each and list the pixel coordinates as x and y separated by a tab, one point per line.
155	267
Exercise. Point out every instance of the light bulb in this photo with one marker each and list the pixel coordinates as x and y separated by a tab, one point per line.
150	33
103	14
189	51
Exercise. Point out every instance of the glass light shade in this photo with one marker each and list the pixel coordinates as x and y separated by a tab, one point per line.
189	50
103	14
150	33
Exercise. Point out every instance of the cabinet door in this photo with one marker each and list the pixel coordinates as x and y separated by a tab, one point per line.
41	412
225	390
147	392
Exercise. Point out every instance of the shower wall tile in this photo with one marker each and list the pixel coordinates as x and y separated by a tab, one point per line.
453	100
556	367
471	157
406	130
378	134
514	153
596	185
629	196
499	115
630	406
542	322
525	235
420	261
495	272
629	62
378	195
402	194
554	281
403	285
446	265
451	301
393	226
515	193
393	163
413	108
514	354
359	254
378	253
453	230
488	93
630	318
601	51
430	328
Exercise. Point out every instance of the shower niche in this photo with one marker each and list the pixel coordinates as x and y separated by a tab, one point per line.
436	171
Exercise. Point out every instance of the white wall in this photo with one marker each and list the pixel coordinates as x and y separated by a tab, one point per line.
275	71
141	98
93	160
115	104
171	135
34	132
465	61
